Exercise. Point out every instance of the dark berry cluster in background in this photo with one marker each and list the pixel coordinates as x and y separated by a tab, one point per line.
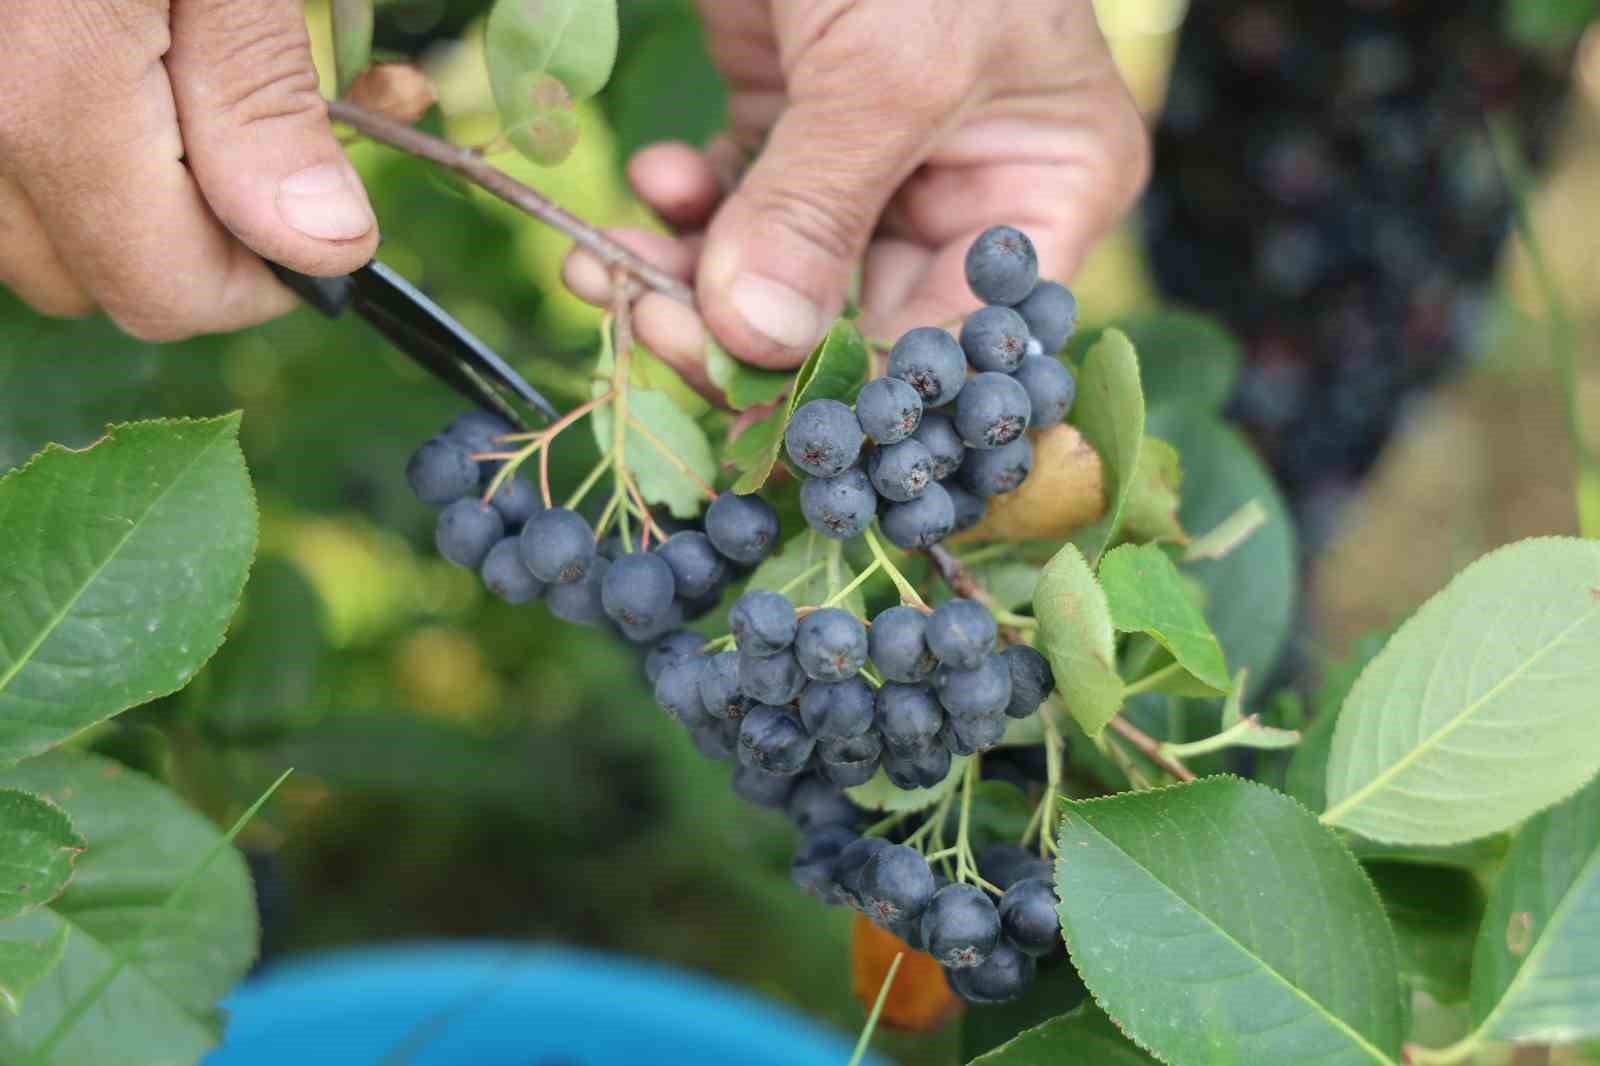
927	445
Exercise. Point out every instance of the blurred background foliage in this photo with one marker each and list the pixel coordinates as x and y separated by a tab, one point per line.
469	769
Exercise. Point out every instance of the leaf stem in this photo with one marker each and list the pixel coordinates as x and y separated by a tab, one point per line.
1150	681
877	1009
1150	748
908	594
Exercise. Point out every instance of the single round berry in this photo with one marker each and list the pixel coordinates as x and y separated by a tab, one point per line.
839	507
896	884
678	691
517	501
761	788
715	738
847	869
994	471
992	410
442	470
1028	917
898	645
888	409
638	590
908	717
719	686
1051	389
929	768
558	545
930	361
466	530
994	338
823	438
677	645
1031	679
1002	265
837	710
961	633
971	734
998	979
831	644
772	739
1051	313
645	633
937	433
763	622
970	507
815	804
775	679
998	863
577	602
851	762
901	771
744	528
900	471
697	567
960	927
922	522
504	575
812	867
477	430
982	691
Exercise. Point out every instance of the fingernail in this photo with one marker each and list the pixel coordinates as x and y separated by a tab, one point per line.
776	311
326	202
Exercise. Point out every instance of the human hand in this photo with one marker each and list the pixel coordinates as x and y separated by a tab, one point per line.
149	149
890	134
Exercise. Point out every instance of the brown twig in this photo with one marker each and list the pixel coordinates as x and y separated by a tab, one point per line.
470	165
1150	748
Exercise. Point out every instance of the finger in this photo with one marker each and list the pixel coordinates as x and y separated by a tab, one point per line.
676	336
676	180
257	135
590	279
100	157
29	265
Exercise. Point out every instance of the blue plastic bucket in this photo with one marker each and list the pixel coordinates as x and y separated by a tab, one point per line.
507	1005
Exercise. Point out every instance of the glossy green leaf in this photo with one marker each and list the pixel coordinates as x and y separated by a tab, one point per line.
1076	635
803	554
24	963
119	568
543	56
1536	966
142	843
1434	911
836	370
352	39
38	846
1146	594
1084	1035
1481	710
1110	414
1307	776
1218	922
1186	359
1151	513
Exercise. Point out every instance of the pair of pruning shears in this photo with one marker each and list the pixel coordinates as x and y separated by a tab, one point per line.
425	332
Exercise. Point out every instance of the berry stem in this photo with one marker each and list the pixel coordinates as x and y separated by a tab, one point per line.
885	824
639	508
860	579
610	512
588	483
540	442
1052	787
877	1009
908	594
675	460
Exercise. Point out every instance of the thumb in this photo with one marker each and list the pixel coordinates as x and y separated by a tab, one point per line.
257	137
780	251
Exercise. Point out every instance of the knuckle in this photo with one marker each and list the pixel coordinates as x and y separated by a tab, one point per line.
820	217
153	318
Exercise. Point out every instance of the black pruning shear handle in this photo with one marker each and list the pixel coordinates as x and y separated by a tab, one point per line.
424	331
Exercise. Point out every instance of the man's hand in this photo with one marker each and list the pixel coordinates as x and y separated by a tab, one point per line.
148	147
885	132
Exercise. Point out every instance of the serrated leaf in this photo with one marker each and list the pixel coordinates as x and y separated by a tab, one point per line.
1482	709
24	963
751	446
1075	634
352	39
1146	594
835	370
749	386
1536	966
1083	1035
808	552
37	849
1434	911
544	56
1151	513
1186	359
142	843
1110	415
119	568
881	794
1173	906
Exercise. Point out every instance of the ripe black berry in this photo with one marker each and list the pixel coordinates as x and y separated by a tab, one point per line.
637	590
930	361
680	644
992	410
578	601
504	575
823	438
888	409
697	567
922	522
772	739
908	716
961	633
984	690
937	433
837	710
998	979
897	643
901	471
719	686
763	622
969	506
994	471
466	530
744	528
558	545
1051	313
1028	916
1051	389
1031	679
775	679
839	507
814	804
994	338
442	470
831	644
960	926
1002	265
896	884
847	763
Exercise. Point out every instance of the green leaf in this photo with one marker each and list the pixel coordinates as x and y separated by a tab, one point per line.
1435	911
660	476
836	370
1110	415
881	794
1481	710
142	844
119	568
744	386
544	56
1231	532
1153	499
24	963
1076	635
752	446
1307	776
665	86
352	39
806	553
37	849
1084	1035
1055	989
1186	360
1147	595
1175	905
1536	967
